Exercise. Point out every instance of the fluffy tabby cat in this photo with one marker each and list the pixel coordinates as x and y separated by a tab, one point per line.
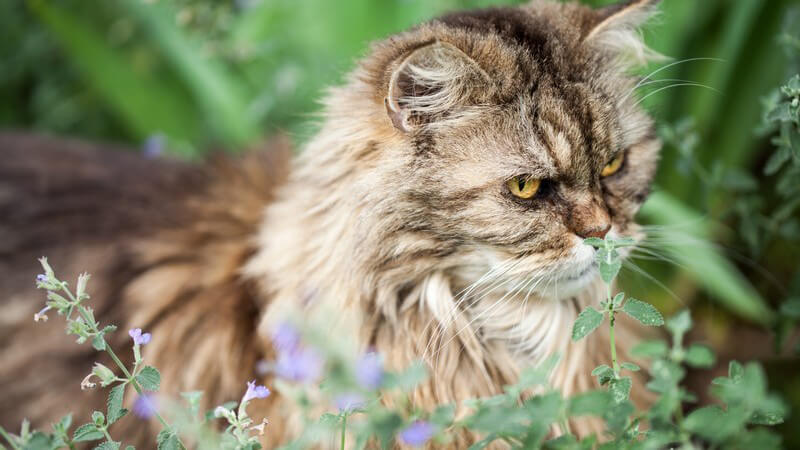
439	212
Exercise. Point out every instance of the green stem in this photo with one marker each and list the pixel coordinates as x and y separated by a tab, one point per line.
108	436
612	343
8	438
344	429
85	315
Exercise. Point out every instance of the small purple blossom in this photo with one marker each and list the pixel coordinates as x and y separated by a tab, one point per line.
145	406
255	391
153	146
286	338
417	434
369	371
302	365
349	401
41	278
139	338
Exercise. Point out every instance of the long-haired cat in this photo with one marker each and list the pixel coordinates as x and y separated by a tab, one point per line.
439	213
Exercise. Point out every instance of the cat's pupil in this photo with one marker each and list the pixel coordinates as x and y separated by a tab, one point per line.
521	183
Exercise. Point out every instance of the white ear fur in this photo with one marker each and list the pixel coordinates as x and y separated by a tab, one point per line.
429	82
618	31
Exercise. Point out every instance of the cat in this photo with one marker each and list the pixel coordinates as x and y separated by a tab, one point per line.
439	213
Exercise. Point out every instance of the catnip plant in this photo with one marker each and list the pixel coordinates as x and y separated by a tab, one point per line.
370	406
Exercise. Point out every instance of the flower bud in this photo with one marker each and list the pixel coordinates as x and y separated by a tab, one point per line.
105	374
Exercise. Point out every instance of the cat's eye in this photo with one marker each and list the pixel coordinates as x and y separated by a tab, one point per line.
523	186
614	165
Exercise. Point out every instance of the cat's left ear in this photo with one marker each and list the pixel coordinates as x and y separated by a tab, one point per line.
615	29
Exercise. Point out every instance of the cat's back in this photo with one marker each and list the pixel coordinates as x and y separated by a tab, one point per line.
163	240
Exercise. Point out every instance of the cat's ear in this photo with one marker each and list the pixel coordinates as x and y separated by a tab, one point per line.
430	83
615	29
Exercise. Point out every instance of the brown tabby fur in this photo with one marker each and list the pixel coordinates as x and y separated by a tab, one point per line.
385	225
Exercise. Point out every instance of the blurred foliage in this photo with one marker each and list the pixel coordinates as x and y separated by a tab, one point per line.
725	231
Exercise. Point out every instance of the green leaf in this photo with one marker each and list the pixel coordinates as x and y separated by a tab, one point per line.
149	378
168	440
714	424
699	356
777	160
98	342
618	299
630	366
609	263
586	322
108	445
603	373
644	312
443	415
679	324
409	378
87	432
594	242
620	389
650	349
592	403
98	418
114	403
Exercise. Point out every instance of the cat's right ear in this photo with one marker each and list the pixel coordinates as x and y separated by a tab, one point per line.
431	83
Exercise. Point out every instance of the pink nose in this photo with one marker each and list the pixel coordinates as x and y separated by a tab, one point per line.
595	232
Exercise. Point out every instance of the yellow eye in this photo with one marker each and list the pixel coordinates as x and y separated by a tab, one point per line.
612	167
523	186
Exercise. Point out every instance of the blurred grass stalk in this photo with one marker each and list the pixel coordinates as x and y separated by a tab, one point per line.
687	241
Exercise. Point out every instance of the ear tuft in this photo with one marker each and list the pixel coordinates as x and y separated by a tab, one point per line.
430	83
616	29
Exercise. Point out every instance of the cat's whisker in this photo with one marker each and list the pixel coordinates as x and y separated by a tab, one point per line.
673	64
650	94
630	265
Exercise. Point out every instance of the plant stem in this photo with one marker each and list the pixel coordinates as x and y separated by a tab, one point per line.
612	318
85	315
8	438
344	429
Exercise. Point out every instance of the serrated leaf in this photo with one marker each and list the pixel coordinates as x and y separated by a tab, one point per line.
618	299
594	242
777	160
586	322
108	445
699	356
98	418
603	373
620	389
168	440
149	378
87	432
98	342
644	312
114	403
609	270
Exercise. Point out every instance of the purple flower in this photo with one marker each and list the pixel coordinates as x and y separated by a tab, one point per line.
417	434
349	401
302	365
145	406
153	146
138	337
41	277
255	391
286	338
369	371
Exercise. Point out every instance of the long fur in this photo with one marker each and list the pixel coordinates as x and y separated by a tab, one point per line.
400	233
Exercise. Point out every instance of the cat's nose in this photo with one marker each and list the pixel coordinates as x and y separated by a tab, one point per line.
599	232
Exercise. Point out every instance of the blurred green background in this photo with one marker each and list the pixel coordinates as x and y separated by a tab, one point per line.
208	74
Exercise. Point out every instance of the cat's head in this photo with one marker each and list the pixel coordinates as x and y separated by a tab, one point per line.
507	137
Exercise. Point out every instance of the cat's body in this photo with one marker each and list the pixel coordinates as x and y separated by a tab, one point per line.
396	221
